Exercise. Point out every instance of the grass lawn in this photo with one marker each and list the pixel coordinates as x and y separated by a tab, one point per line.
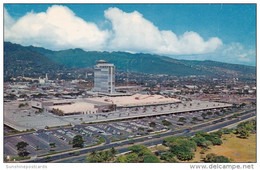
239	150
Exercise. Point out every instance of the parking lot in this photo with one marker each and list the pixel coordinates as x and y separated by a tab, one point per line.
39	141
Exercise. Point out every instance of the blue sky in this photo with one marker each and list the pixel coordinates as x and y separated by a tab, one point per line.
184	31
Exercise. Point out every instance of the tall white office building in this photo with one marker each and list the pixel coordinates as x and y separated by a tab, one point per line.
104	77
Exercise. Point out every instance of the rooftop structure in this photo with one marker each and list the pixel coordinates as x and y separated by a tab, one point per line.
70	106
75	108
104	77
136	100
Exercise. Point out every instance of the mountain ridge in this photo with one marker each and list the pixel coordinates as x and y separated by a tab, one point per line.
138	62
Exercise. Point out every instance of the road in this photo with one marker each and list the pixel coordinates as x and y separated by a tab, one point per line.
148	141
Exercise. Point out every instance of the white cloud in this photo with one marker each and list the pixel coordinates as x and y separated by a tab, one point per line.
238	53
235	53
57	28
131	31
8	20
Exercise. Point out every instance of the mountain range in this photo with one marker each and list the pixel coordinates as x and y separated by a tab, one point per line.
35	61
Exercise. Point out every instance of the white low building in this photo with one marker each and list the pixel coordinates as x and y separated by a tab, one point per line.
76	108
136	100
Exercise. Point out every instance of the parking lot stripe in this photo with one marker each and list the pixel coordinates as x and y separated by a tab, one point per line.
9	145
43	140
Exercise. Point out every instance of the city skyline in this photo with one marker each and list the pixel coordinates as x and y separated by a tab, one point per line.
182	31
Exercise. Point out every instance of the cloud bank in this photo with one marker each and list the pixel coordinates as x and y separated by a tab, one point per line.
131	31
59	28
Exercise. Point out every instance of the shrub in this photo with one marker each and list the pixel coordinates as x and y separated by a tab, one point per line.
152	124
213	158
185	156
149	158
166	123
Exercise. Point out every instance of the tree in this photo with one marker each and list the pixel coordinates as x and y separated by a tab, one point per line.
216	141
21	148
102	156
113	152
185	156
248	125
214	137
166	123
106	155
140	150
78	141
168	156
150	158
121	159
221	159
217	113
218	133
57	112
206	144
131	158
152	124
242	105
209	113
213	158
204	115
194	119
169	140
226	130
182	119
244	134
199	140
210	157
52	145
23	96
93	153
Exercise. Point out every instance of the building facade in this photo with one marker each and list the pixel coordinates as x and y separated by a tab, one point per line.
104	77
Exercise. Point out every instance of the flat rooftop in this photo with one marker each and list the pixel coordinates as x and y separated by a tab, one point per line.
135	100
75	107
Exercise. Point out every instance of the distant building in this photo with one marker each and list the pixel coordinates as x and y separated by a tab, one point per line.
104	77
191	86
44	80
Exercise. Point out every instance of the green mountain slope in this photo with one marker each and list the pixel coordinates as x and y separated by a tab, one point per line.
140	63
19	60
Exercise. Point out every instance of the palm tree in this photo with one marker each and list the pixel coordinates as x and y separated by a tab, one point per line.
113	151
93	153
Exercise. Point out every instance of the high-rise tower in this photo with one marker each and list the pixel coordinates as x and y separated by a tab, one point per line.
104	77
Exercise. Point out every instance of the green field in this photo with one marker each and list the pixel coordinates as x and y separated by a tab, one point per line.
239	150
